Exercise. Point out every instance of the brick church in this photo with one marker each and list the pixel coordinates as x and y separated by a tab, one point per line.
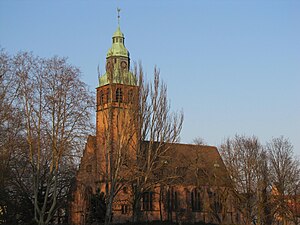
199	188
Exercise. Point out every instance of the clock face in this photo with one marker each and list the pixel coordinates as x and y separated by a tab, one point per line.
124	65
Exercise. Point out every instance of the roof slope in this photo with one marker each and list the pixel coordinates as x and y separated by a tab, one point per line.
197	165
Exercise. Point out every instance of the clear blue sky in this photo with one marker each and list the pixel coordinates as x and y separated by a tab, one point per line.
232	66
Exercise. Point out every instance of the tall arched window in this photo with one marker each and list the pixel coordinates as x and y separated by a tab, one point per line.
172	198
196	200
215	202
119	95
147	204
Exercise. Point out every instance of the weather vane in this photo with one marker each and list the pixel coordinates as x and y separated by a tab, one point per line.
118	9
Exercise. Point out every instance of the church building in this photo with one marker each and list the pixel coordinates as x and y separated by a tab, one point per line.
201	189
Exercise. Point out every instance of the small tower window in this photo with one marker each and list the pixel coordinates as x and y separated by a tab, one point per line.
101	98
119	95
130	96
108	95
89	168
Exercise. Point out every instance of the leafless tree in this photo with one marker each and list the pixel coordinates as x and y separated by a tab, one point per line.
199	141
117	114
285	170
294	202
10	115
265	178
136	133
242	156
56	109
12	142
158	127
264	203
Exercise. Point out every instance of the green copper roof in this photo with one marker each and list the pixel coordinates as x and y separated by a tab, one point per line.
119	77
118	48
118	33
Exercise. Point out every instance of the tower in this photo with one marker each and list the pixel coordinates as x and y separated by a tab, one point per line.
117	104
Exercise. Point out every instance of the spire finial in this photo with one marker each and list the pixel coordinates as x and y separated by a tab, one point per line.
118	9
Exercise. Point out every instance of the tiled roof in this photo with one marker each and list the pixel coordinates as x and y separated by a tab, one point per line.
195	165
204	163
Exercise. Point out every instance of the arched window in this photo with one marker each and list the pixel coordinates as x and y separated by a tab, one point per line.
147	198
215	202
119	95
172	199
196	200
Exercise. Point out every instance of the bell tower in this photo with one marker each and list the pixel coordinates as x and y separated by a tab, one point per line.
117	104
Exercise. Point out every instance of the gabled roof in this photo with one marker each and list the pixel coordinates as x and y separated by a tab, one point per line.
204	165
196	165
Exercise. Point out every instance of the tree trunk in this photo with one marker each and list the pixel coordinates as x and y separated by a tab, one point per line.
136	207
108	214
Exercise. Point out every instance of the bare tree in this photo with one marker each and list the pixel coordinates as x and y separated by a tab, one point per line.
213	182
158	127
285	169
135	130
294	202
56	107
264	201
15	191
117	133
242	156
199	141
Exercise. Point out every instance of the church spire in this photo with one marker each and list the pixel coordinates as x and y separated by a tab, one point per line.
118	47
118	61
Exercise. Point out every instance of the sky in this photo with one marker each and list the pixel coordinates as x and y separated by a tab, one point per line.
233	67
